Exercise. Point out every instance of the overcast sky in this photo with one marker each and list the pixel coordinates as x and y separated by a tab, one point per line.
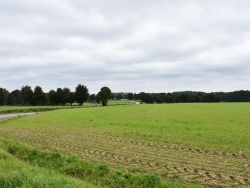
127	45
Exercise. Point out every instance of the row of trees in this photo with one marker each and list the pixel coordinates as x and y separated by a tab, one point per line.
186	96
27	96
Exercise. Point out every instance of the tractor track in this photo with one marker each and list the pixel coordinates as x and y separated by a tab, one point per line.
205	166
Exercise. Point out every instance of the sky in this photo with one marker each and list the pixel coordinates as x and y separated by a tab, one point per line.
127	45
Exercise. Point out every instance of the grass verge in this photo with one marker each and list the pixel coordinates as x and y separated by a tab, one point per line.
16	173
50	169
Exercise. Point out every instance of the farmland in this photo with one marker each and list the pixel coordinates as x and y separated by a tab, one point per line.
16	109
202	143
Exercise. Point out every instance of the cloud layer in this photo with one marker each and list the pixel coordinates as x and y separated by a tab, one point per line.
142	45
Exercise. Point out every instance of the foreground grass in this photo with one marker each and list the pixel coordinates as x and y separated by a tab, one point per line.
17	173
22	166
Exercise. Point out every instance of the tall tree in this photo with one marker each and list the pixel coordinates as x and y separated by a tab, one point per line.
130	96
52	97
68	96
146	97
39	96
104	95
2	97
27	95
15	98
71	98
92	97
59	96
6	93
81	94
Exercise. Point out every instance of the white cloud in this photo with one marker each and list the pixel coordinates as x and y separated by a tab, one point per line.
154	46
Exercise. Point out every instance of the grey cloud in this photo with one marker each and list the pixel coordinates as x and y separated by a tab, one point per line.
127	45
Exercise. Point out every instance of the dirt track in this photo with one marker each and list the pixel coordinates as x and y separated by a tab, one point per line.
208	167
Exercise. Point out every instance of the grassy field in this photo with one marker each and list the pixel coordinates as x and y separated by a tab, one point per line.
111	102
24	109
87	104
203	143
20	108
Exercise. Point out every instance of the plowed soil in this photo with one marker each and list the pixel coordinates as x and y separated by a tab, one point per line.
206	166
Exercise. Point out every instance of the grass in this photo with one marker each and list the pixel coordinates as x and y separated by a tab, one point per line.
5	108
161	140
17	109
222	126
23	166
110	103
24	109
120	102
17	173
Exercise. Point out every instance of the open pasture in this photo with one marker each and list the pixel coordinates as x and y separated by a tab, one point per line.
20	109
4	109
204	143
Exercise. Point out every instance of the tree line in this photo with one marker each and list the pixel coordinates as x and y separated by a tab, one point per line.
61	96
185	97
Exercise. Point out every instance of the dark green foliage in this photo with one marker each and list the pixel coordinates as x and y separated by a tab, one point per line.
81	94
27	95
71	98
39	96
211	97
92	98
104	95
52	97
2	96
68	96
186	97
238	96
130	96
146	97
59	96
158	99
15	98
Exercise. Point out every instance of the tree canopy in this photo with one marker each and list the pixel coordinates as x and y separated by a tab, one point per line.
104	95
2	97
39	96
27	95
81	94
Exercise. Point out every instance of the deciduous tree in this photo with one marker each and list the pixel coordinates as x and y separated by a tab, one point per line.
27	95
81	94
39	96
2	97
104	95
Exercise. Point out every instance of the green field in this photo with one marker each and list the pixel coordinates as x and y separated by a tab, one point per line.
202	143
21	108
16	109
111	102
